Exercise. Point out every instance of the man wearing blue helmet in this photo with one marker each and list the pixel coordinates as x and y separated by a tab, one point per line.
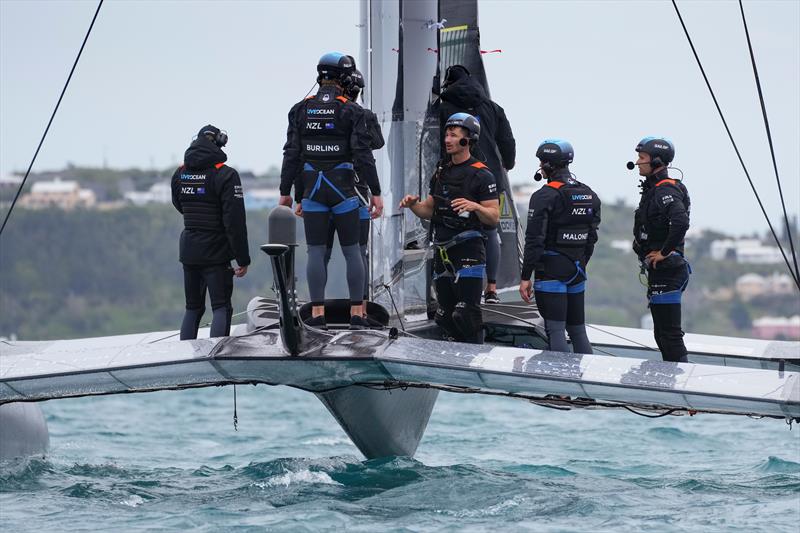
352	91
462	199
660	224
563	217
327	144
461	92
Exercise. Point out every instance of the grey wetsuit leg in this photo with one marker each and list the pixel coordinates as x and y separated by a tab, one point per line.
355	272
492	255
557	335
365	257
316	273
580	341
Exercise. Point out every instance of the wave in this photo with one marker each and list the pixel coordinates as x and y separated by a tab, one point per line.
777	465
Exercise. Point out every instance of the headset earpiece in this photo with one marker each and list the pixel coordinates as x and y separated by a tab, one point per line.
221	139
656	162
463	142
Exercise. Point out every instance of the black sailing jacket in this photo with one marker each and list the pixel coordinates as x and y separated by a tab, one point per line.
496	145
209	195
351	132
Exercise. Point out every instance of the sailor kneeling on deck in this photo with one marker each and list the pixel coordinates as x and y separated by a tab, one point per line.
461	200
559	241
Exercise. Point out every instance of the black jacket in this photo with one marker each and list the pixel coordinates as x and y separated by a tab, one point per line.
548	216
496	145
662	218
209	195
351	121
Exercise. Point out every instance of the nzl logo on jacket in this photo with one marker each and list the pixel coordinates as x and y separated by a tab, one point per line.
193	184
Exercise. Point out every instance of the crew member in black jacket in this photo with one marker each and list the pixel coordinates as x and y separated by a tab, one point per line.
328	142
209	195
496	147
660	224
352	91
461	200
563	217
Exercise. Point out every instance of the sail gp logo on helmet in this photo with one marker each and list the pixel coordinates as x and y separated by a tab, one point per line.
320	111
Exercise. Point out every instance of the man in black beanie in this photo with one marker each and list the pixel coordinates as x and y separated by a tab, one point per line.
496	147
209	195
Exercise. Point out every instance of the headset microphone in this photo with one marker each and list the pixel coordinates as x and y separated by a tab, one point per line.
631	165
538	176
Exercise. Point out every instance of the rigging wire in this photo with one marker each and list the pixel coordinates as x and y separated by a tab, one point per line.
735	147
769	138
41	142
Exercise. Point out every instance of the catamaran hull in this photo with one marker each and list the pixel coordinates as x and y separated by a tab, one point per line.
23	431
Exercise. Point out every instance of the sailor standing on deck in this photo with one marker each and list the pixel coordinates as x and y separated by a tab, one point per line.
329	143
352	91
209	195
563	217
496	147
462	199
660	224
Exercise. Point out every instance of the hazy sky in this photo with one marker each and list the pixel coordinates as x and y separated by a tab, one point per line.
599	74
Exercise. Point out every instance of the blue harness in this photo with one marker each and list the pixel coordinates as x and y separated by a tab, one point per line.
473	271
345	206
673	297
562	287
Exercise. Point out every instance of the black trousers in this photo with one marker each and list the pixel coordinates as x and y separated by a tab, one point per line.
217	280
459	285
666	283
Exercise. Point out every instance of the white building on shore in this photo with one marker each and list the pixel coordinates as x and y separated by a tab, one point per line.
63	194
745	251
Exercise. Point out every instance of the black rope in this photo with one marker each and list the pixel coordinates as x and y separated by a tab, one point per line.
736	148
769	139
64	90
665	413
399	316
235	415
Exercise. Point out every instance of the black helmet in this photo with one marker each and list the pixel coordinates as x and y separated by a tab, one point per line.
466	121
661	150
214	134
555	153
356	84
335	66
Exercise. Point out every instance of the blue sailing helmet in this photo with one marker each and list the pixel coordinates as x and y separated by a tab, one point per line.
335	66
466	121
660	149
555	153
